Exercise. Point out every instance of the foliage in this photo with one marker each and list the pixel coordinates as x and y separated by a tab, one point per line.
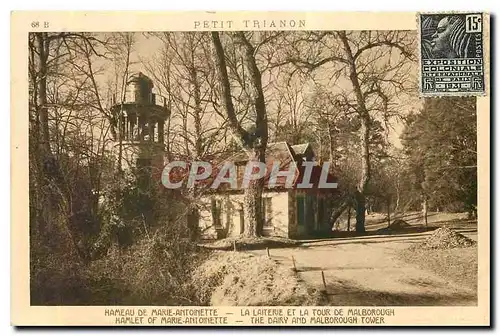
441	145
161	265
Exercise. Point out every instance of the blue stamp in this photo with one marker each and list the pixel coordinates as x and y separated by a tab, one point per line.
452	55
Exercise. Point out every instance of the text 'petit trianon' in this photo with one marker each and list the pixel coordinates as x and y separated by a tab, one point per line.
247	24
199	171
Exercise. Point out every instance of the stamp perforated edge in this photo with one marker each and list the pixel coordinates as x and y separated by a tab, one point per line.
485	57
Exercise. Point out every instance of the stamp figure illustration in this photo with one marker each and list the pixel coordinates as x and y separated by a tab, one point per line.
452	57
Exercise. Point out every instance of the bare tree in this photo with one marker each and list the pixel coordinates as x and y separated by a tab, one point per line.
67	137
369	69
254	142
290	113
183	72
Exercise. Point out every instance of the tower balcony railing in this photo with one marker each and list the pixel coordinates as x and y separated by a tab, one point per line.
151	99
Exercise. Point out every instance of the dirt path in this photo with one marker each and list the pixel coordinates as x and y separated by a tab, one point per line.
367	271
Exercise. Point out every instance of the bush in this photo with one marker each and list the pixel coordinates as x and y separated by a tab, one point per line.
141	252
154	271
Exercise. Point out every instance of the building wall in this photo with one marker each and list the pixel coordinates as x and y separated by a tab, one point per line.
300	228
151	151
279	215
206	220
284	215
231	215
313	222
323	220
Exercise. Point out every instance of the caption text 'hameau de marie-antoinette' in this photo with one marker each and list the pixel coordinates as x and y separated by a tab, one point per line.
252	24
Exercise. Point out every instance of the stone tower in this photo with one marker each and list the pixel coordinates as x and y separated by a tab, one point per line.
141	122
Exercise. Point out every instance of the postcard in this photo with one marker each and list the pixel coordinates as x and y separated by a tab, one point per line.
250	168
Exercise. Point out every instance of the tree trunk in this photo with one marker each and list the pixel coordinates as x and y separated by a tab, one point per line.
388	211
365	174
424	210
331	148
398	197
120	146
43	112
252	203
255	143
252	210
198	111
349	218
364	134
192	224
360	211
168	150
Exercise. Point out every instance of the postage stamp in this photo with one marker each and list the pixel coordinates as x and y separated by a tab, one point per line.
452	54
250	169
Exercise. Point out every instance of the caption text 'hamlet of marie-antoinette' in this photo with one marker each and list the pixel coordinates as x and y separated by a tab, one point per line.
250	316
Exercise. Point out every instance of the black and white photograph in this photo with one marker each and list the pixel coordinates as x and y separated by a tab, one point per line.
257	168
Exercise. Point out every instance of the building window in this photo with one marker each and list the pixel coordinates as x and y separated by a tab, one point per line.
217	213
267	211
301	210
242	218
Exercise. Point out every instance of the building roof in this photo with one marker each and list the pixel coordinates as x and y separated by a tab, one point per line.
285	154
274	150
139	77
301	148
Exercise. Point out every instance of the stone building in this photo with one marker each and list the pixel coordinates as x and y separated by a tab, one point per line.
288	212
